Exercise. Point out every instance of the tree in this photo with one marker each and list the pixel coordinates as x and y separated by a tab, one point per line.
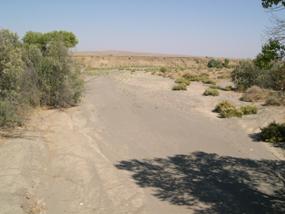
11	63
273	3
271	52
42	40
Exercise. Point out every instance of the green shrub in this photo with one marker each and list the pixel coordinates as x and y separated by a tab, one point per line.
208	81
227	110
254	94
179	87
213	63
8	114
226	63
183	80
273	133
196	78
245	75
163	70
211	92
248	109
271	52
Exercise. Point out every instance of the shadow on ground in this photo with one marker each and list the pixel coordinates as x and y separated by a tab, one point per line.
223	184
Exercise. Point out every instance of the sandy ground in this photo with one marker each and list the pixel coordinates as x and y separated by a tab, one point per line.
135	146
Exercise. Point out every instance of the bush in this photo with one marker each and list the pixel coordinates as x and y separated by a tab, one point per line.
36	72
213	63
245	75
248	109
273	133
163	70
208	81
275	100
183	80
254	94
9	115
227	110
179	87
211	92
196	78
59	77
226	63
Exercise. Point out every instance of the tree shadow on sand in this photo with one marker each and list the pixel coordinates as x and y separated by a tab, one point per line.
222	184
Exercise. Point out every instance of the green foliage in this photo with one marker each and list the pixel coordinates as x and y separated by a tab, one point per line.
248	109
227	110
211	92
213	63
273	3
179	87
183	80
208	81
8	114
271	52
245	75
38	72
196	78
226	63
42	40
59	77
163	70
11	64
273	133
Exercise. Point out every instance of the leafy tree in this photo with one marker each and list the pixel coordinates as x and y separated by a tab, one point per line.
273	3
271	52
42	40
11	63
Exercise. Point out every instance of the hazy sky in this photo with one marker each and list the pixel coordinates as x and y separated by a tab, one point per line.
232	28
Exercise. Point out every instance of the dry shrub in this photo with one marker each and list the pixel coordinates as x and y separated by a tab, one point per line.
255	94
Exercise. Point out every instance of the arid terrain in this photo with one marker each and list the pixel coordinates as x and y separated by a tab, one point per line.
135	146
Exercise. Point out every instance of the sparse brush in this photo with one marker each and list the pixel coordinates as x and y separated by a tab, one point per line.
248	109
275	100
208	81
211	92
163	70
254	94
273	133
227	88
183	80
227	110
197	78
179	87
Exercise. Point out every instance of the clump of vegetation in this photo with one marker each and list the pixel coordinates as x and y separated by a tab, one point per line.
227	110
215	63
275	99
254	94
36	72
163	69
248	109
211	92
179	87
266	71
273	133
183	80
208	81
196	78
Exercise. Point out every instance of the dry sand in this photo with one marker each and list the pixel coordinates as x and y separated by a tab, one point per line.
135	146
